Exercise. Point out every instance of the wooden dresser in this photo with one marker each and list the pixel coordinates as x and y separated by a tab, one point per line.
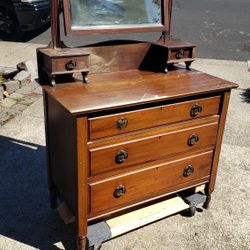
126	125
131	137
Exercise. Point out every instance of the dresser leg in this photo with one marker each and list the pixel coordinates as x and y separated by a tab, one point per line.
207	202
82	243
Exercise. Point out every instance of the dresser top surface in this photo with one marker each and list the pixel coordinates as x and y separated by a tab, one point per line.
128	88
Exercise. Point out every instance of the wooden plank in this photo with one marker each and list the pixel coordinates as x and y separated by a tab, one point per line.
130	221
200	188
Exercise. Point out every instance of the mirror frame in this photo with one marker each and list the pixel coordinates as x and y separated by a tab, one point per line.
166	11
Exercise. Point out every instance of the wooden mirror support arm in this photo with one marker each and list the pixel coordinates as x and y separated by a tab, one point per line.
55	25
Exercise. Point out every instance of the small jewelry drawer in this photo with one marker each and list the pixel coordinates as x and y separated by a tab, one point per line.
115	192
115	124
70	63
112	154
180	54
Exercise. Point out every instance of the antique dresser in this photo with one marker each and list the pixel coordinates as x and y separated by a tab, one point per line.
125	124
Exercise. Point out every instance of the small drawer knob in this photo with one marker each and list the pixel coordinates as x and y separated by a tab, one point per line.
188	170
122	123
70	65
121	156
179	54
195	110
193	139
119	191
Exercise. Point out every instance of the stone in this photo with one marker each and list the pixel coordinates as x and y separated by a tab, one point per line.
20	107
8	102
248	65
23	77
16	96
35	84
38	91
1	92
28	66
29	99
26	90
11	86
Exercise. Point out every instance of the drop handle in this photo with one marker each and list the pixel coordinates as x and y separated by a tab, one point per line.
70	65
193	139
121	156
195	110
122	123
120	190
188	171
179	54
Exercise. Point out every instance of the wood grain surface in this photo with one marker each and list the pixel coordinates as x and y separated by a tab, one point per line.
150	117
129	88
147	182
153	145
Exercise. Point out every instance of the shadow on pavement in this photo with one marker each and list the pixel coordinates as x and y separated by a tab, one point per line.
26	215
245	95
24	36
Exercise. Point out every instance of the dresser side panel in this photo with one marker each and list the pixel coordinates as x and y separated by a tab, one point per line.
224	108
62	150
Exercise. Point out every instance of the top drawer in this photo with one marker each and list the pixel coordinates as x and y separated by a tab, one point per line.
134	120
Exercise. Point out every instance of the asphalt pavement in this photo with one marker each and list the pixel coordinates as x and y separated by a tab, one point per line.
219	28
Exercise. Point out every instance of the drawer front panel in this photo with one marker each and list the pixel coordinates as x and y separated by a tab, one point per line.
134	187
151	117
70	64
151	148
179	54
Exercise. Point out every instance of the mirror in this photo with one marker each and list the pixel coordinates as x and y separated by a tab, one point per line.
114	14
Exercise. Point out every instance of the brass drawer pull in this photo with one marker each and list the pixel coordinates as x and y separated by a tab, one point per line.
70	65
122	123
179	54
193	139
195	110
119	191
188	171
121	156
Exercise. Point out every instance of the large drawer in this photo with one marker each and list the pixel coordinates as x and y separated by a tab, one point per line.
129	188
152	145
130	121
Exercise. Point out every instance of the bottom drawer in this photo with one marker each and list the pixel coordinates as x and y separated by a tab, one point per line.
126	189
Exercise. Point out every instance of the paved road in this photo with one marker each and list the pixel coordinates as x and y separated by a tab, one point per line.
220	28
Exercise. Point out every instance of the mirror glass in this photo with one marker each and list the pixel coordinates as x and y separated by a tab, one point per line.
115	13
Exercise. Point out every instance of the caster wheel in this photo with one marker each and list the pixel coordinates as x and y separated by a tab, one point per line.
191	211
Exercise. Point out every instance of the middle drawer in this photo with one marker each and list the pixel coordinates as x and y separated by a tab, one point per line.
157	143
